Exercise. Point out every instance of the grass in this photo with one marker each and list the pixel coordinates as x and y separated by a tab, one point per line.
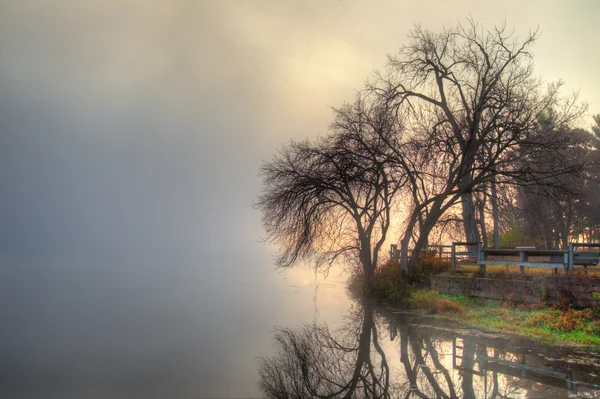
549	324
430	302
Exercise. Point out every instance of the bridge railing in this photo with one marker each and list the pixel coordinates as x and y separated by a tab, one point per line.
557	258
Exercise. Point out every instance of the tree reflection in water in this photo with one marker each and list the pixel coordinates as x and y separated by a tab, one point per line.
314	361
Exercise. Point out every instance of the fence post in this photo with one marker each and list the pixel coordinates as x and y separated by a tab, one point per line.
393	251
571	266
453	257
480	257
522	258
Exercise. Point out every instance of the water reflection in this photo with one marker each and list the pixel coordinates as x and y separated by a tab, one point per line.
378	354
314	361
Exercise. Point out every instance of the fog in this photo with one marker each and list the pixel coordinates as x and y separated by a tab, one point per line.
131	134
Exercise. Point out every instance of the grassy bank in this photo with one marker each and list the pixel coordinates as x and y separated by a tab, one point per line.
549	324
545	323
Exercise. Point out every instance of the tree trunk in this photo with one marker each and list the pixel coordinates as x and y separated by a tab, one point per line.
367	263
430	221
364	346
468	214
467	364
482	220
495	213
426	244
404	261
564	233
405	359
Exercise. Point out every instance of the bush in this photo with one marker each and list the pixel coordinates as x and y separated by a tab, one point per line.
432	302
390	282
428	266
566	321
513	237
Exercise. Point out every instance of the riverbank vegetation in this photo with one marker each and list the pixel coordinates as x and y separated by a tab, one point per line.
558	324
551	324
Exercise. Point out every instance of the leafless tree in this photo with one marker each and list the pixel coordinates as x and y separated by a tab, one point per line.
314	362
334	196
471	102
455	114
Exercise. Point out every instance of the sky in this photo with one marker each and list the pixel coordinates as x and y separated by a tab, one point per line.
136	128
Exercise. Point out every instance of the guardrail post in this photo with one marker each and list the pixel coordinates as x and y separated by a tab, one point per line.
480	257
453	257
571	266
522	258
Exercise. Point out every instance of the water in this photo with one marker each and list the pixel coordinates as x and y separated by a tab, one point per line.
151	329
381	354
180	331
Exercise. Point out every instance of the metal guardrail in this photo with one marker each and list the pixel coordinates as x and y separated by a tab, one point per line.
441	251
557	258
565	259
473	253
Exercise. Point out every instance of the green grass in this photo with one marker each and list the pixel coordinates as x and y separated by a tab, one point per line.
549	324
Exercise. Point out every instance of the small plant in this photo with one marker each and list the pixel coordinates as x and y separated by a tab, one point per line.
544	292
566	298
432	302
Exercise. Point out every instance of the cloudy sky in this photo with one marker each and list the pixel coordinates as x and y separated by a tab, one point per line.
139	125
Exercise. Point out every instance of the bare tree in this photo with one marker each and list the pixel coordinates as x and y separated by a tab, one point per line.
315	362
455	114
471	103
334	196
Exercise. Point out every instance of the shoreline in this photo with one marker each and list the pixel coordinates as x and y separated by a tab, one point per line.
546	324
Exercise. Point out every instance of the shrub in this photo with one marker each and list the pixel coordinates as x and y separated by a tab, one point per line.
390	282
432	302
513	237
428	266
566	321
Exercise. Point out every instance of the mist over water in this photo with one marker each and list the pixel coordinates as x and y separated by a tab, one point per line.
145	329
131	262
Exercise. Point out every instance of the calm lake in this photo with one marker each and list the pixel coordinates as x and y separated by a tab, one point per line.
180	331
